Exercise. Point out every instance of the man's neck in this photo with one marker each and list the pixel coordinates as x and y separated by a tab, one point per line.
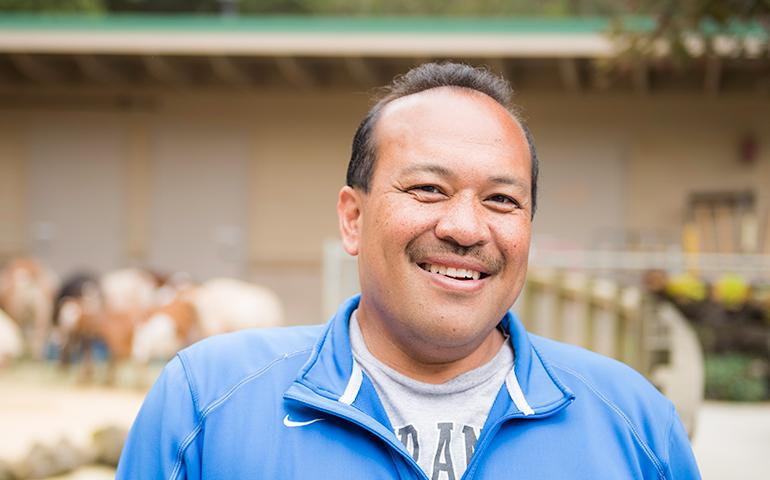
428	364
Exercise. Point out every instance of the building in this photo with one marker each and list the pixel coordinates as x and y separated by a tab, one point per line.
217	145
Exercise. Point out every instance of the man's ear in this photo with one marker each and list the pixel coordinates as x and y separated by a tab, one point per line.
349	216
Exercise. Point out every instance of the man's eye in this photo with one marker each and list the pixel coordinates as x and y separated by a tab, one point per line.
504	201
427	189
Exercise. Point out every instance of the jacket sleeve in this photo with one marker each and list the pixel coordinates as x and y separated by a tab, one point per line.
681	461
164	430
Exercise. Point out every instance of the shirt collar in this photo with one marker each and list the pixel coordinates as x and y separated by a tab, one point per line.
532	386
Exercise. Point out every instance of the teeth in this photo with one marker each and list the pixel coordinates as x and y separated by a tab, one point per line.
453	272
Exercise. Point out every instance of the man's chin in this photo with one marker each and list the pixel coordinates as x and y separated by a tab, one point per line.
455	329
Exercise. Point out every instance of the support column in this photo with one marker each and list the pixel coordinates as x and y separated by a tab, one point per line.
13	194
138	192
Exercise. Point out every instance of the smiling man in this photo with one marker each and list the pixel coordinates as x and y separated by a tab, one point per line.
425	374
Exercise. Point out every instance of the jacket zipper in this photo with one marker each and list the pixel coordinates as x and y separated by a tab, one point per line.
484	441
334	409
331	407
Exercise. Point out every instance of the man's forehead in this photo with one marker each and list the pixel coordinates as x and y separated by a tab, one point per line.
438	124
445	105
436	95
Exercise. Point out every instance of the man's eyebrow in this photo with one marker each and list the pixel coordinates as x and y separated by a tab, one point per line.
428	167
506	180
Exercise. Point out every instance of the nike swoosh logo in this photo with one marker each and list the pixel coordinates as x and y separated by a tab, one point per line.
292	423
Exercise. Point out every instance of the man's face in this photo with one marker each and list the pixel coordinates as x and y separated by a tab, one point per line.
443	235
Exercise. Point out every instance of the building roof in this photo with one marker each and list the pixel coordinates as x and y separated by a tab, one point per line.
311	51
313	36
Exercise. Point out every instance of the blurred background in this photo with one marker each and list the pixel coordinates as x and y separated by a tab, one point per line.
169	171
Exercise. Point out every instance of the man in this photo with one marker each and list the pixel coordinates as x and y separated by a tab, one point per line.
426	374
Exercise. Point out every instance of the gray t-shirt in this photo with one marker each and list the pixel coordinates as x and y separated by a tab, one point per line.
438	424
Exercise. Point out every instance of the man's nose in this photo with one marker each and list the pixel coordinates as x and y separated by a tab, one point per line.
463	223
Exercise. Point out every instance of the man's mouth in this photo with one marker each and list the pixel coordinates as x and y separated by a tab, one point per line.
451	272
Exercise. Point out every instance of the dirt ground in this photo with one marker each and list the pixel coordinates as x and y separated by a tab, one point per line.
39	405
732	441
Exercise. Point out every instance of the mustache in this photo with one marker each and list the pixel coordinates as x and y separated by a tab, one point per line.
417	252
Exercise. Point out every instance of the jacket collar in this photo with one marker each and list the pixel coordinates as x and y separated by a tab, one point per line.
532	387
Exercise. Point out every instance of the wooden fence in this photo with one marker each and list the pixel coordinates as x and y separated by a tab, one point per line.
623	323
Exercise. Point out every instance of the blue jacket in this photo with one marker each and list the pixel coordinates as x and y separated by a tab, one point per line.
291	404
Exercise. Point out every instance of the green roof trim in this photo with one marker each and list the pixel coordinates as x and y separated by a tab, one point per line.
320	24
334	25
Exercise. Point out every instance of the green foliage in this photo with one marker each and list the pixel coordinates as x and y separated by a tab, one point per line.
408	7
52	6
328	7
162	6
736	377
278	7
376	7
687	29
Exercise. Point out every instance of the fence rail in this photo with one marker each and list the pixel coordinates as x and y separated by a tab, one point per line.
619	322
755	267
594	313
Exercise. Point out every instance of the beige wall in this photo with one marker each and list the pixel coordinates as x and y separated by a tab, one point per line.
696	148
669	145
269	165
75	189
302	147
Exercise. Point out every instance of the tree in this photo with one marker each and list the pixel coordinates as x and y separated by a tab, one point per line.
52	6
682	30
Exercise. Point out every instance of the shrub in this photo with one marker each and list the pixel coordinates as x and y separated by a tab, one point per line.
736	377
